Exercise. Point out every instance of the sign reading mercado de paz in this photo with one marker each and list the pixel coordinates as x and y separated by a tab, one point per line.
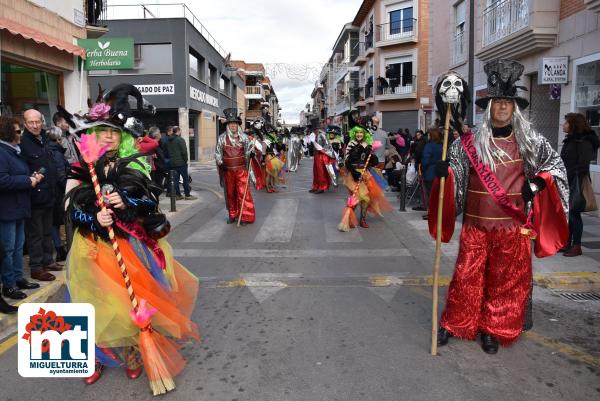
107	53
553	70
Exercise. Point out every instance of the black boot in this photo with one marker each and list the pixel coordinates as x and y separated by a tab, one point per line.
7	308
61	253
489	344
443	336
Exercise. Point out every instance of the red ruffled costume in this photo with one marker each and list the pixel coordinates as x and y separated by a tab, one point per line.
320	175
236	176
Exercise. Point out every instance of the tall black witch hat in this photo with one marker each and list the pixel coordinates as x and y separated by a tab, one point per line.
501	83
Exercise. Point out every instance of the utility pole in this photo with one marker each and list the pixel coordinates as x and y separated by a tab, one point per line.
471	77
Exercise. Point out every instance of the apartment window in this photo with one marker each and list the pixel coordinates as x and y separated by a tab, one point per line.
213	80
197	66
347	51
459	32
398	76
151	58
401	21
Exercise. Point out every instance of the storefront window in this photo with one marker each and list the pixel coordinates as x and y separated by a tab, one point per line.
587	93
24	88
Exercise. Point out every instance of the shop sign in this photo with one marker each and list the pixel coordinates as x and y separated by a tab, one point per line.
203	97
553	70
107	53
156	89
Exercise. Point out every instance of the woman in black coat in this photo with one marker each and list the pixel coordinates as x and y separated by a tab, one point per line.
579	149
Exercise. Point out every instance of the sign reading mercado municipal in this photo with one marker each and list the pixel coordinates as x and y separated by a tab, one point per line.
553	70
107	53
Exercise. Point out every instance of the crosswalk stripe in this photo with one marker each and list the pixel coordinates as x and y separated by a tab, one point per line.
331	216
279	224
212	231
291	253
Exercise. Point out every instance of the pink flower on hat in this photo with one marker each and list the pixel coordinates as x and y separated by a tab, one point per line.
99	111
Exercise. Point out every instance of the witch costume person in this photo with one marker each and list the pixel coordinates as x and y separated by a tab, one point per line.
134	224
510	185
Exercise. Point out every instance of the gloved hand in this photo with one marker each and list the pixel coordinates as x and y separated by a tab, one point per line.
528	193
441	168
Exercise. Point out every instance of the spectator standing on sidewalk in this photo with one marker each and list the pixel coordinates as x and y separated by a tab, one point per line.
38	228
164	141
55	136
68	140
579	148
179	160
15	207
159	162
381	136
432	153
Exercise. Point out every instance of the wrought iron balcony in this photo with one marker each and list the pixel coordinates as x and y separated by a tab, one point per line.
504	18
359	54
397	32
516	28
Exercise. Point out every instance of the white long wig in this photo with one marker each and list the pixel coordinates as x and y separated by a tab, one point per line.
524	134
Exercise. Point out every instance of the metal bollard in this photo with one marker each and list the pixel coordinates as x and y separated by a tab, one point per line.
403	190
173	196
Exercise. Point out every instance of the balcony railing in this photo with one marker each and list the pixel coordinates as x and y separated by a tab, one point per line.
403	85
368	40
504	18
147	11
255	92
459	46
397	30
358	52
340	70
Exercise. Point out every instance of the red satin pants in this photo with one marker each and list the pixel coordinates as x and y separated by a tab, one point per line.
320	175
235	184
489	290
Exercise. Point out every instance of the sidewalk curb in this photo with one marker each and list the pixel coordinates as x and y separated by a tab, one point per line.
8	323
587	281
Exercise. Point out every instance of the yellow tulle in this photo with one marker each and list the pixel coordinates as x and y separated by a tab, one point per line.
93	276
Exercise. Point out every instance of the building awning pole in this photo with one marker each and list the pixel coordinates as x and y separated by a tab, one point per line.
81	86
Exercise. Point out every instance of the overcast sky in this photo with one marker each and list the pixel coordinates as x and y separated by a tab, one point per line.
299	33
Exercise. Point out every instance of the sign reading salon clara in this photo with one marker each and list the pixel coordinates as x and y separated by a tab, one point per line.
156	89
107	53
553	70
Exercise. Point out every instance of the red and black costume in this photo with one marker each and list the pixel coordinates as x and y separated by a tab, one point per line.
233	152
492	279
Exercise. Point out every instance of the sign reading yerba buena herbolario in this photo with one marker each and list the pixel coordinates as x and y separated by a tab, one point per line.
107	53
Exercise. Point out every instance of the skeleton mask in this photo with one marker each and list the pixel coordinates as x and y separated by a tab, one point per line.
451	89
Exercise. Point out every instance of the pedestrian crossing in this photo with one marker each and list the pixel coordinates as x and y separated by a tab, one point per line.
309	224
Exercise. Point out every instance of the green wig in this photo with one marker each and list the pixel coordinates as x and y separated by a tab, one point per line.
368	138
127	148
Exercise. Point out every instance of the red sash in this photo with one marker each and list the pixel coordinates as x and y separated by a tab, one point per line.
495	189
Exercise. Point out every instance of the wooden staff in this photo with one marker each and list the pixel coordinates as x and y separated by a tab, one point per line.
438	241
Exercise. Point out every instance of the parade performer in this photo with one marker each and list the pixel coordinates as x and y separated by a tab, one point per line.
359	162
323	156
233	154
256	135
294	146
119	260
273	164
511	187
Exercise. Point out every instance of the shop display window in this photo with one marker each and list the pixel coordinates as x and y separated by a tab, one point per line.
587	93
24	88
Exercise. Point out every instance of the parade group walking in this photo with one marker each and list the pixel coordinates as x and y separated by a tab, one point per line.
505	179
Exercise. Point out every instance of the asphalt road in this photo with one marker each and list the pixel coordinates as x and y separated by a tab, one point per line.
290	309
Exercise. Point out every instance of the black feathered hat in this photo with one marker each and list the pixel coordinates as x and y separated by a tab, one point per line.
121	108
231	116
502	75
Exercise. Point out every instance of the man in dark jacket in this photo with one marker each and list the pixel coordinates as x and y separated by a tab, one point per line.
179	158
38	229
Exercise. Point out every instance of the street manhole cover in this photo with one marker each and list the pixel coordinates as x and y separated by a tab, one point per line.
580	296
